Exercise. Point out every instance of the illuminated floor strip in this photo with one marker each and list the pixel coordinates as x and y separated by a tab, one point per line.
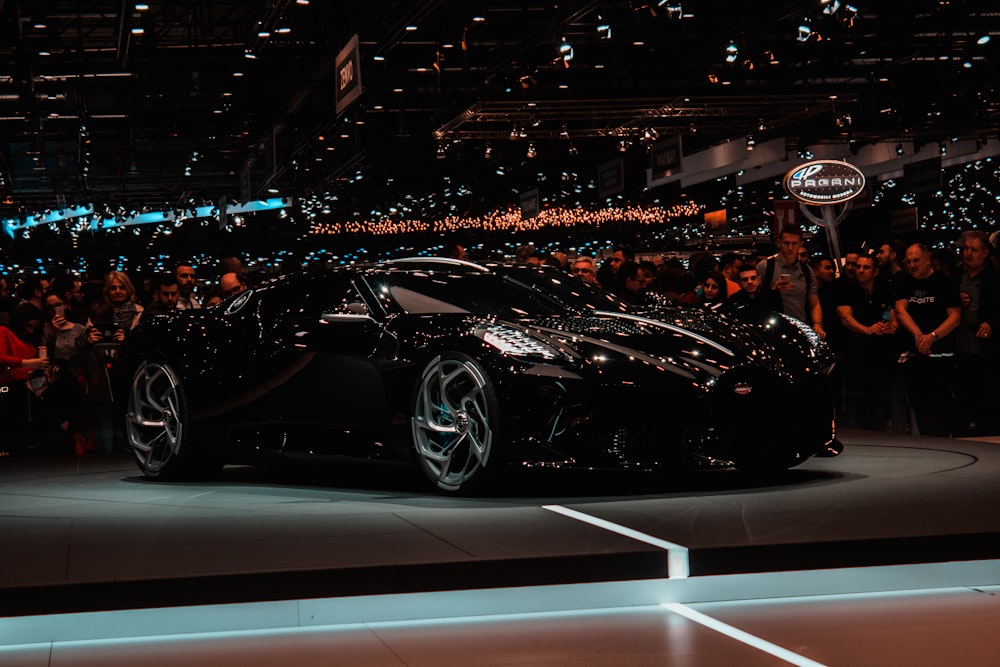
741	636
677	554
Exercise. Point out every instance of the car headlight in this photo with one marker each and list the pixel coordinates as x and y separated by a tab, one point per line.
517	343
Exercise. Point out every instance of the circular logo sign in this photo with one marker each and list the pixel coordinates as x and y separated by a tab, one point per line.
824	182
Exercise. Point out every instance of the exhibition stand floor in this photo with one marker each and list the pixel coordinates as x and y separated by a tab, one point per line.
898	533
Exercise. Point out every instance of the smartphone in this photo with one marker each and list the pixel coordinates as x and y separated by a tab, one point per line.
60	311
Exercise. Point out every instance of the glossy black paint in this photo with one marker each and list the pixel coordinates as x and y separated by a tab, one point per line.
326	364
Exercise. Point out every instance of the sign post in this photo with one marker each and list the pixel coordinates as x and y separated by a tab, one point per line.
831	185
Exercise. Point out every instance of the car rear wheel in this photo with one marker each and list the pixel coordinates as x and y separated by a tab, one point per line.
454	424
157	424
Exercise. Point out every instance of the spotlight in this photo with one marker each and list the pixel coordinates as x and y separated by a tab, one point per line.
899	150
532	152
831	8
566	51
943	148
732	51
441	152
573	150
761	125
751	142
805	32
603	29
488	153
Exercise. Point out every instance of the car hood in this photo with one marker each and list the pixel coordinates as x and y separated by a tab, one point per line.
698	348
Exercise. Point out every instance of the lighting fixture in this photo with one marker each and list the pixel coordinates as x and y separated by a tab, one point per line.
573	150
805	32
603	30
732	51
899	150
566	51
488	152
830	7
441	152
983	40
751	142
943	148
532	152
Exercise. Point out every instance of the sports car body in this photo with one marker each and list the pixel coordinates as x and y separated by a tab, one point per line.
468	370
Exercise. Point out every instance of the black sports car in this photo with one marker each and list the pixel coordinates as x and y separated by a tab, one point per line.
468	370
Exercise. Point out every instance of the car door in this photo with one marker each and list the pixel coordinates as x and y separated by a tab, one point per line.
324	383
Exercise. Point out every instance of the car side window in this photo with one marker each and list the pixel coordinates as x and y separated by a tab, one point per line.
312	298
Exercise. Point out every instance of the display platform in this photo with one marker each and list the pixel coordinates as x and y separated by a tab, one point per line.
94	535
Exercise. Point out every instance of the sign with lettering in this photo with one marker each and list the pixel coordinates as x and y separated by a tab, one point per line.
824	182
348	74
666	159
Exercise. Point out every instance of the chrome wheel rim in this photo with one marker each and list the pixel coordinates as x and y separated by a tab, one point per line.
451	422
153	422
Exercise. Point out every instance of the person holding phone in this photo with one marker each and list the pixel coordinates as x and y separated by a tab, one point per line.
794	281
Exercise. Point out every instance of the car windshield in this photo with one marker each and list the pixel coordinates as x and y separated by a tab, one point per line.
419	292
573	293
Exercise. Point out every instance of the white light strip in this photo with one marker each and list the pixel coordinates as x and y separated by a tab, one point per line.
678	566
741	636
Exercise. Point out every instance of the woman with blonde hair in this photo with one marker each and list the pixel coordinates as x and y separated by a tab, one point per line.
117	313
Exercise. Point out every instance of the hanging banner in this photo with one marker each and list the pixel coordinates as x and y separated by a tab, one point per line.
665	159
348	75
530	204
716	222
610	178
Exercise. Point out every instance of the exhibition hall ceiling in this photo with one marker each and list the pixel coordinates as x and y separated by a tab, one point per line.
164	103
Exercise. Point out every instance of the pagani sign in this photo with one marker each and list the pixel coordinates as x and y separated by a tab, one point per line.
824	182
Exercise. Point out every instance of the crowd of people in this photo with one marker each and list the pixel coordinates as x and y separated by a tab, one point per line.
59	340
912	329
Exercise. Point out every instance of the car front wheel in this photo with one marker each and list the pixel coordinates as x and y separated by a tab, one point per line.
454	423
156	423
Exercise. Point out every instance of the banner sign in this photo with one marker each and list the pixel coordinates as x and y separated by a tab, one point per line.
715	222
348	73
530	204
610	178
666	159
824	182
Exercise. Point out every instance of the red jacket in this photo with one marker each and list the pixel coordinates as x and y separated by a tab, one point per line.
12	351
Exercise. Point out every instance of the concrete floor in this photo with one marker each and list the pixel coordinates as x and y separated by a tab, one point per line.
887	554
